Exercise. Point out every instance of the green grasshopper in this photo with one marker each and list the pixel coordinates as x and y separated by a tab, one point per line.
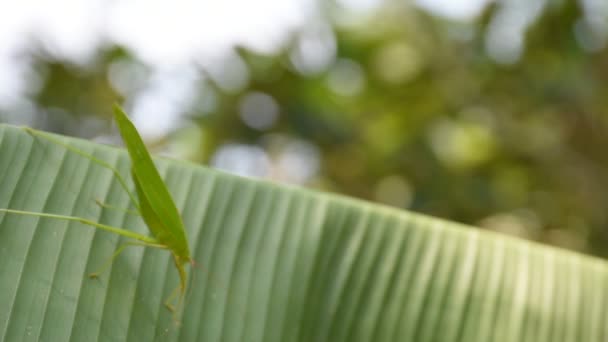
155	205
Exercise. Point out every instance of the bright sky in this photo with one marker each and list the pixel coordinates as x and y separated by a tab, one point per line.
166	35
171	37
454	9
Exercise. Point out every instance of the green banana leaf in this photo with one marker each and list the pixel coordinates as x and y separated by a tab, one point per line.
275	263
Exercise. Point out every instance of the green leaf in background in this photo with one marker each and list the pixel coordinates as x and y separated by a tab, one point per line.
280	264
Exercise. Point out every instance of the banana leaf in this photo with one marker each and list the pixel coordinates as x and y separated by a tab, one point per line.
275	263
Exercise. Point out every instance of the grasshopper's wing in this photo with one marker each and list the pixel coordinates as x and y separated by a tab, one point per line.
158	209
157	226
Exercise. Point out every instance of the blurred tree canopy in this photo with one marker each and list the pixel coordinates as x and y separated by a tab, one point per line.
499	126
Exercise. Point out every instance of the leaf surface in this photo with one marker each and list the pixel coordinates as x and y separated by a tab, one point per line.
279	264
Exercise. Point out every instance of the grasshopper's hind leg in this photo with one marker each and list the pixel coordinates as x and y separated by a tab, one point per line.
119	250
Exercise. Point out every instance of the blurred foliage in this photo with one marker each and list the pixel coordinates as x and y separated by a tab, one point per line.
412	111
